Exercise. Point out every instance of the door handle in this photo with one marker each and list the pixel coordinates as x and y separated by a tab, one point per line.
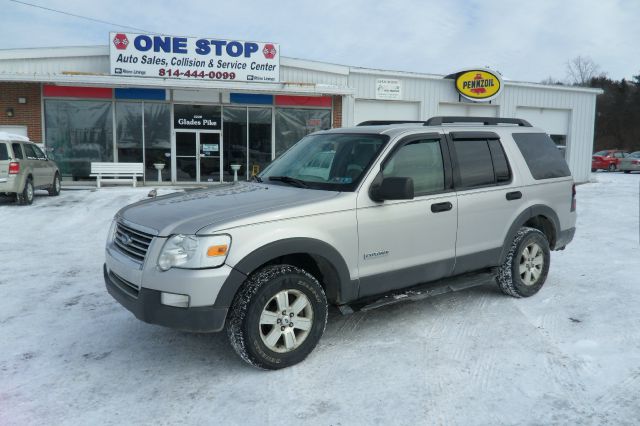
441	207
515	195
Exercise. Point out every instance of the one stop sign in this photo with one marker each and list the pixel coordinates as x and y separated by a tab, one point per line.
120	41
269	51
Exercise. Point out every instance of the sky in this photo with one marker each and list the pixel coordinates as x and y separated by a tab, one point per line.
525	41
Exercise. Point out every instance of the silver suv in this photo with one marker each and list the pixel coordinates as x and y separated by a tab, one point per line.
353	217
25	168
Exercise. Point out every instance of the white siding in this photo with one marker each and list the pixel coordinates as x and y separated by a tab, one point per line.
386	110
433	95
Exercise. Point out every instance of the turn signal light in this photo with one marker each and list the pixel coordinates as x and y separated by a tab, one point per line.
14	168
215	251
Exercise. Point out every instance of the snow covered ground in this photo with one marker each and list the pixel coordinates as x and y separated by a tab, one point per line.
69	354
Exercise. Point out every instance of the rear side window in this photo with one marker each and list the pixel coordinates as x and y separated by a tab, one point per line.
17	151
30	152
474	163
542	156
4	152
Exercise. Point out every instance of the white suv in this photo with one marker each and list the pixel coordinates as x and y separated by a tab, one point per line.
400	211
25	168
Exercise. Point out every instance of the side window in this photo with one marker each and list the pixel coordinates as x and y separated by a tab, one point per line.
618	155
38	152
542	156
474	163
17	151
4	152
421	161
30	152
500	163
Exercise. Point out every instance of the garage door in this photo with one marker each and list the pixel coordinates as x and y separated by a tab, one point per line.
385	110
554	121
468	110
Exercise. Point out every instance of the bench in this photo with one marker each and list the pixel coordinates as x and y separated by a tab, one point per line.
117	172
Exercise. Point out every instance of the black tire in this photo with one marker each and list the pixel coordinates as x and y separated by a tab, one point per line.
510	280
54	190
259	291
25	198
627	171
612	168
594	170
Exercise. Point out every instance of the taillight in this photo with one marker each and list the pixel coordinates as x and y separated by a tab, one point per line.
573	198
14	168
635	161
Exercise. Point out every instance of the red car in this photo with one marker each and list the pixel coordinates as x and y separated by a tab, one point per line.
609	159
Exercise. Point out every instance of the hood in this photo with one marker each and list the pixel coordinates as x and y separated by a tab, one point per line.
187	213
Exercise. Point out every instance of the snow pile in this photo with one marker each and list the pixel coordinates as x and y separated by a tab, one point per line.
69	354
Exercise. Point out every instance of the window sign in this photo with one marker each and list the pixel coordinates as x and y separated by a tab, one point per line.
210	147
199	117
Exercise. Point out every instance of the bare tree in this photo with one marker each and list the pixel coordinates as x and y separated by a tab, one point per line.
581	69
551	81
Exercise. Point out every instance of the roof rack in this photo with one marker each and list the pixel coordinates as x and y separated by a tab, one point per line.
486	121
388	122
439	121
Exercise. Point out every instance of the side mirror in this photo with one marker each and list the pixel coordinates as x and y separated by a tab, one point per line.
393	188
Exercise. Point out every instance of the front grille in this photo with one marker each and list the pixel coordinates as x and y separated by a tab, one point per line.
128	287
132	242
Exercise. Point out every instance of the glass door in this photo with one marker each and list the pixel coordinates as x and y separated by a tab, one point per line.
210	159
186	156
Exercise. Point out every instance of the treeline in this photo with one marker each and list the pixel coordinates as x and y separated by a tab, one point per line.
617	114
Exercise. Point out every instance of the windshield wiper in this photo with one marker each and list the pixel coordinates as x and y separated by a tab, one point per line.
290	180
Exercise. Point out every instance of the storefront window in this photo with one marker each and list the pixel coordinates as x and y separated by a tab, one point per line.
129	132
78	132
293	124
259	139
234	141
157	140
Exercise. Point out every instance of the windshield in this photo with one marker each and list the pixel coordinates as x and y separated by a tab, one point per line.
332	161
602	153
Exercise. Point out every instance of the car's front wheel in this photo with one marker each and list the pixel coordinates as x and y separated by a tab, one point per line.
526	266
55	186
612	167
278	317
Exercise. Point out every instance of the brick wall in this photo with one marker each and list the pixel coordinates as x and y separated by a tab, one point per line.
337	112
29	114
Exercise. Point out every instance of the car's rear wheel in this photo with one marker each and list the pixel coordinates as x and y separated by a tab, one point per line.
526	266
612	167
627	171
278	317
26	196
55	186
594	170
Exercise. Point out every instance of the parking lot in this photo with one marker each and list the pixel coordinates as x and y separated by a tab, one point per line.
70	354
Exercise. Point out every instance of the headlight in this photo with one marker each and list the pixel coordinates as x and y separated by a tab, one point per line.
112	231
194	252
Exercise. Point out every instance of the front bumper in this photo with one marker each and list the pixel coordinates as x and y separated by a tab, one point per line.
146	306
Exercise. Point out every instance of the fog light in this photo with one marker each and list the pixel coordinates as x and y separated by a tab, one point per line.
177	300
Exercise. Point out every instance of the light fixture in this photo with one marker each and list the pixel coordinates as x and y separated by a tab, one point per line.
22	100
10	112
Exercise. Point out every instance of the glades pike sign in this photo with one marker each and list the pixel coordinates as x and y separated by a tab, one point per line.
148	55
479	84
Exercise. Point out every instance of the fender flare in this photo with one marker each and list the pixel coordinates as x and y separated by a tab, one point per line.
343	289
528	213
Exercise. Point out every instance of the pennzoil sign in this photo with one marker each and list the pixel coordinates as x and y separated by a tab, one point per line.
479	84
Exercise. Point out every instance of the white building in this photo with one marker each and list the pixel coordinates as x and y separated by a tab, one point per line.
70	98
